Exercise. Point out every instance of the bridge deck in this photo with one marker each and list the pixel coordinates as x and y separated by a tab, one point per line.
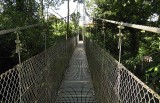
77	84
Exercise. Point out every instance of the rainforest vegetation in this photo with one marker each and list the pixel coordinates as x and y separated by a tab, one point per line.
140	49
20	13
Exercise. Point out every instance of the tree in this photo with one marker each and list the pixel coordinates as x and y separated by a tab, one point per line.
75	19
22	13
136	44
17	14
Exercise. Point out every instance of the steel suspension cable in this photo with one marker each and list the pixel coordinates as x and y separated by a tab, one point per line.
135	26
19	28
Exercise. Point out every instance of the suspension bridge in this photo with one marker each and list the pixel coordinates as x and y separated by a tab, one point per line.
74	71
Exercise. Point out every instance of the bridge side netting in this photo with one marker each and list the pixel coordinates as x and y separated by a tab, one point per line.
37	80
113	83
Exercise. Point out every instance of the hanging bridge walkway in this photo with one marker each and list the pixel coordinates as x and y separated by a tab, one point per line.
74	71
77	84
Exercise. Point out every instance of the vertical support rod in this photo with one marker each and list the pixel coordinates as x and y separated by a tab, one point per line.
67	20
19	66
46	61
18	49
120	35
83	32
78	21
119	45
103	59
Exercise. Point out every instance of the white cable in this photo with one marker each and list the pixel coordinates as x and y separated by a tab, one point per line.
120	35
19	66
135	26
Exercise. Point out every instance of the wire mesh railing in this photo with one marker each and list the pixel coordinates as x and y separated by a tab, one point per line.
113	83
37	79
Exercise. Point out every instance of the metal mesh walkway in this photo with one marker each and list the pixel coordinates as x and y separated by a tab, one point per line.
77	86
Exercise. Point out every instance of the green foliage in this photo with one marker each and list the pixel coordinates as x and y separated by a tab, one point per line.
138	48
24	13
75	19
15	14
152	77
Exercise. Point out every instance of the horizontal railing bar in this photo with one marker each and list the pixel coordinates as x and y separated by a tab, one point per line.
135	26
19	28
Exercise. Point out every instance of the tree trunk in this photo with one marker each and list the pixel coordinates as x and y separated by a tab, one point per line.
20	5
134	42
41	9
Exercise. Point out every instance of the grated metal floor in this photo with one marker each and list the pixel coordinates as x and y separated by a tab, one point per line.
77	85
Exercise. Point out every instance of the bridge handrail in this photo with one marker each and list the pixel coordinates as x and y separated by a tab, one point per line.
135	26
38	78
112	81
18	28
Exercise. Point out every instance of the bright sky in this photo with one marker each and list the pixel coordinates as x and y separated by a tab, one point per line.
63	10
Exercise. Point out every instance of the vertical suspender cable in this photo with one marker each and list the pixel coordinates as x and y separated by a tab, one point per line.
46	36
18	50
67	21
103	58
78	20
46	57
83	20
18	47
104	39
120	35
